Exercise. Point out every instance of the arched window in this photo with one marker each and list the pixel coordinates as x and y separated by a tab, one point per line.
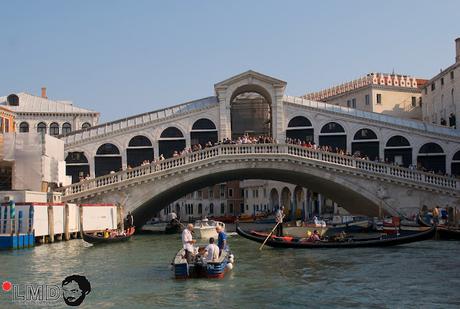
431	158
397	141
203	131
365	134
171	140
85	126
23	127
455	166
365	145
398	151
431	148
41	127
107	159
333	135
66	128
54	129
171	132
299	121
332	127
203	124
139	150
300	128
77	166
107	149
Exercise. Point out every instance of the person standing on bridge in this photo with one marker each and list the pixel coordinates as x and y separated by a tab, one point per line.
279	221
187	242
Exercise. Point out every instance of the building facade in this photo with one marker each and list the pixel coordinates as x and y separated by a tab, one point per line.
53	117
441	95
390	94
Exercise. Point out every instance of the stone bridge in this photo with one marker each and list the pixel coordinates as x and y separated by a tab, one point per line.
360	186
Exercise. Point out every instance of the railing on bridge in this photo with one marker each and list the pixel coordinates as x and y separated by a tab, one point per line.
407	123
262	149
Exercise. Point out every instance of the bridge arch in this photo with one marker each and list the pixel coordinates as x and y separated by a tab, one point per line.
333	134
107	159
431	157
139	149
366	143
300	127
203	130
345	193
171	139
398	150
251	107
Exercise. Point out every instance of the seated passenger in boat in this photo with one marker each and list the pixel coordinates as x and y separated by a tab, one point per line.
106	233
314	236
212	251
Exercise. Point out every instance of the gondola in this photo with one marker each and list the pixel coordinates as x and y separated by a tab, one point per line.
445	232
174	227
94	239
383	241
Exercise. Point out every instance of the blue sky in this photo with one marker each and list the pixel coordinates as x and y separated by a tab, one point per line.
123	58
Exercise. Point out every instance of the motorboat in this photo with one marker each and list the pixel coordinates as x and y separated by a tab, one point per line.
154	226
205	229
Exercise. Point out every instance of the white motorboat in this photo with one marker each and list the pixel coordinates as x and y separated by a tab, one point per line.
206	229
154	226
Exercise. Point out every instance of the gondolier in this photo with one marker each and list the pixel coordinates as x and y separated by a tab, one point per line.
129	220
279	221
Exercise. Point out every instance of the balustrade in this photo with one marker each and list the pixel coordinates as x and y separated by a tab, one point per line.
260	149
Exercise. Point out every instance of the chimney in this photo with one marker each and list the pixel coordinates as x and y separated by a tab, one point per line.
44	93
457	50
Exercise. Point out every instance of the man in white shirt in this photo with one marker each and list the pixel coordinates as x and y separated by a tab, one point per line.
187	242
212	251
279	220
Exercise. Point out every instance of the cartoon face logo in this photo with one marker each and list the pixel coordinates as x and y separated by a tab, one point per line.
74	289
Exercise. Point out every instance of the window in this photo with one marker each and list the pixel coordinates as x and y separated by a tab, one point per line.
426	90
222	191
246	193
211	208
433	86
367	99
200	209
348	103
222	208
199	194
7	125
414	101
54	129
265	192
353	103
24	127
230	208
379	98
442	81
41	128
85	126
420	101
451	74
230	192
66	128
211	193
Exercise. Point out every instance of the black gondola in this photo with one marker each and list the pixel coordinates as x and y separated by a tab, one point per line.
95	239
447	233
384	241
174	227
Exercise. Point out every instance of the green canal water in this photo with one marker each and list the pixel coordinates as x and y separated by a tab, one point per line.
137	274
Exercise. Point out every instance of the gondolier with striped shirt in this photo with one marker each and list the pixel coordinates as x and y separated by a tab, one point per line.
279	221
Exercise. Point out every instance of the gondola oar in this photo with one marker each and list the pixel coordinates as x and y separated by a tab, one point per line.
269	235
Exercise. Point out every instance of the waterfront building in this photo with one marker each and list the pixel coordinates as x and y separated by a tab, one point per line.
441	96
391	94
223	199
41	114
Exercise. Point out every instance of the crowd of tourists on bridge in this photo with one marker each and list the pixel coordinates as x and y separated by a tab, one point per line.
263	139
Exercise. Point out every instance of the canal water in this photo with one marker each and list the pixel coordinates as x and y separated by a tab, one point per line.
137	274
